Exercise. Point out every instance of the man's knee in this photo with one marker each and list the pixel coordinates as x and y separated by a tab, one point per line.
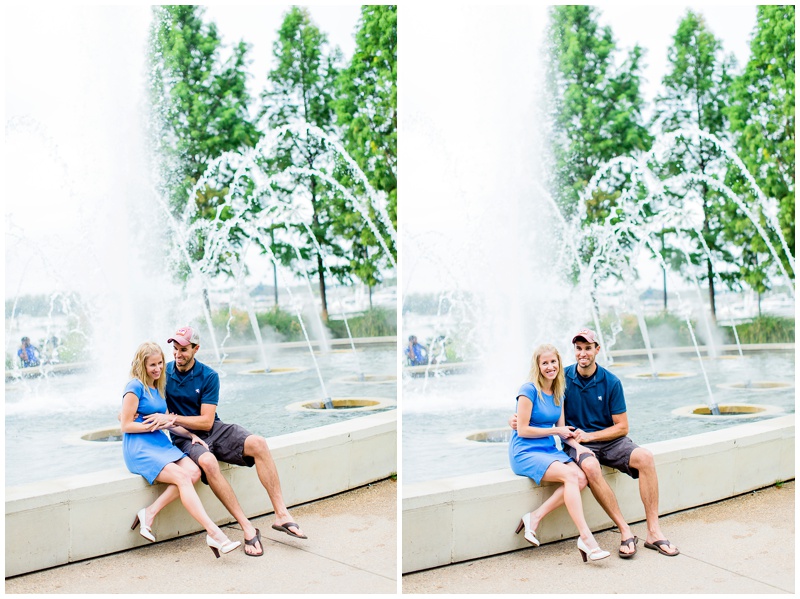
591	469
256	446
209	463
642	459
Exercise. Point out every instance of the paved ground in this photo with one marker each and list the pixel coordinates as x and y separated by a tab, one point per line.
742	545
352	548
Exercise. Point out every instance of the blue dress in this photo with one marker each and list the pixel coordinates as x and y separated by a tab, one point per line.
148	453
532	457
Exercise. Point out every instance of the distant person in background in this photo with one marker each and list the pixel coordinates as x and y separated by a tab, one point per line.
416	353
28	354
51	350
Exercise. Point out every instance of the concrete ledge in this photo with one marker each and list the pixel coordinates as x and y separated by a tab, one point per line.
69	519
467	517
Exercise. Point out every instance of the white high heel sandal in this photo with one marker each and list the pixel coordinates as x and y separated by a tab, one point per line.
593	554
530	535
225	547
144	530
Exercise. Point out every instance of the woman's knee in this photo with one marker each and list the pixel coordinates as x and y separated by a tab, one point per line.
193	470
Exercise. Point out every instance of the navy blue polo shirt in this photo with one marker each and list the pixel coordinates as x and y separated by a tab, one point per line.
187	390
589	404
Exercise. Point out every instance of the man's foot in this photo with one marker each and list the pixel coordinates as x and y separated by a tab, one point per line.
626	544
627	548
290	528
663	546
253	546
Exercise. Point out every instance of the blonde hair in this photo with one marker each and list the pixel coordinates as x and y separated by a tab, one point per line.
139	371
536	377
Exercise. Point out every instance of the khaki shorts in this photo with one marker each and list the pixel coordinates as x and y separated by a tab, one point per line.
614	454
225	441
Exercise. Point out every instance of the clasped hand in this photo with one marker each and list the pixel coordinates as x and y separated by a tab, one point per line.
158	421
565	432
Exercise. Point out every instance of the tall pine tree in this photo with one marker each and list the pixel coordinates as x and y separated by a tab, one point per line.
301	92
762	118
695	92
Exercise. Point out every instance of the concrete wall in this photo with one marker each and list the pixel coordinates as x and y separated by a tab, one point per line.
467	517
60	521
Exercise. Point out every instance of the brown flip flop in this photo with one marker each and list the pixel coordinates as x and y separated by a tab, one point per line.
252	542
657	545
628	542
285	528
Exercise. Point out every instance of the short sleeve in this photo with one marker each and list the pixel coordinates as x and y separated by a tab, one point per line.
210	393
617	399
134	386
529	391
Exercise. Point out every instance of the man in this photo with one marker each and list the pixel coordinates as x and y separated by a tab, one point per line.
28	354
594	404
416	353
192	397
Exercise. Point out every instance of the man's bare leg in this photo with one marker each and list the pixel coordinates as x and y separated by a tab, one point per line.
256	447
606	498
224	492
642	460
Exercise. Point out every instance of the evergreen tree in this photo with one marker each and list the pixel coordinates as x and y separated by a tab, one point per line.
596	108
301	91
695	93
762	119
199	108
367	111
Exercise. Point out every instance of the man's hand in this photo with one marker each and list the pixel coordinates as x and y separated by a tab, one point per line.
581	436
512	422
158	421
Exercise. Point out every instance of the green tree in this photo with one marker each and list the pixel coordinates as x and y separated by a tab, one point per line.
596	107
301	90
695	93
199	109
367	113
762	119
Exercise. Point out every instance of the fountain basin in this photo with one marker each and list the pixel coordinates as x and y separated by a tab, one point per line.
368	378
351	404
661	375
737	411
623	364
756	386
495	435
103	435
273	371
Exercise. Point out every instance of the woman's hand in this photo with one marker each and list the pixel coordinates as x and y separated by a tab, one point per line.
565	432
196	439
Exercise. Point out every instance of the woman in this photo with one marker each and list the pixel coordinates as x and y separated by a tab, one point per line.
533	452
150	452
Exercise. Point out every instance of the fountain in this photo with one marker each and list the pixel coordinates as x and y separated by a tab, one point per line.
500	242
99	233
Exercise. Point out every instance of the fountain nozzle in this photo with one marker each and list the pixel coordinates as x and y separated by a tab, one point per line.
328	403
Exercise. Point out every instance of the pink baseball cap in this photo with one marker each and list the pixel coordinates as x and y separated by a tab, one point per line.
184	336
587	335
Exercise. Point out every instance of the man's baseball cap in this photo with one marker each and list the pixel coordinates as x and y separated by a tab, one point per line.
587	335
184	336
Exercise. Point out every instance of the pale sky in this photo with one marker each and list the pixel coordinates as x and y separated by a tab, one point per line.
74	150
468	94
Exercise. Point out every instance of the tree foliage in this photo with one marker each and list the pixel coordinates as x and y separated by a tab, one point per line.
367	114
762	119
695	92
596	106
300	93
199	107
